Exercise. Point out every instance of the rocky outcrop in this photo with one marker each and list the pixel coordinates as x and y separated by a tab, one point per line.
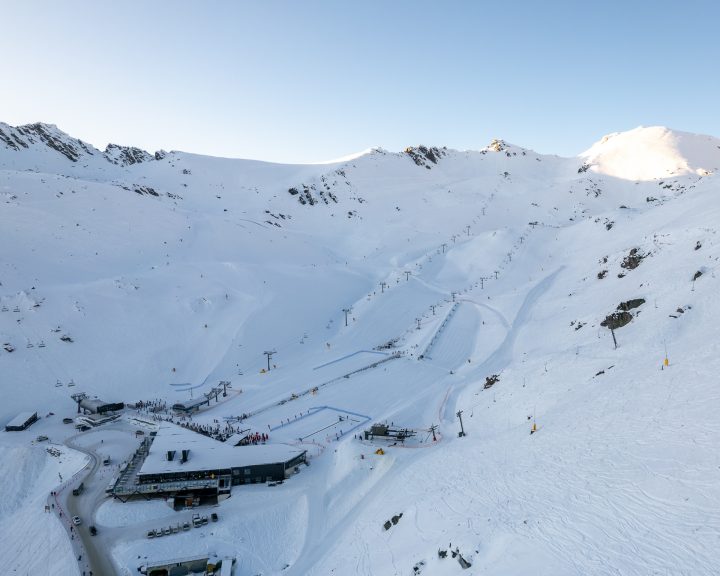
9	137
126	155
423	156
497	145
621	317
22	136
633	259
617	320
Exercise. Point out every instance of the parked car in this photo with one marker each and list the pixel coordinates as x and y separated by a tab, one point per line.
151	534
167	531
41	438
93	531
214	517
76	520
159	532
186	526
79	490
67	420
204	519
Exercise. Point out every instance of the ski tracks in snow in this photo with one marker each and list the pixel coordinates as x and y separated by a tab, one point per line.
503	354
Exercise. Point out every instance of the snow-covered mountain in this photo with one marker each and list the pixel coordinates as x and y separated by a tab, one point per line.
653	153
493	274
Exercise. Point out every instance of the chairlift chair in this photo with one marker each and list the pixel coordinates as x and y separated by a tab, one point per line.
5	308
41	344
30	345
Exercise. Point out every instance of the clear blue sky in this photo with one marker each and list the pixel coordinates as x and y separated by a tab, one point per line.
311	80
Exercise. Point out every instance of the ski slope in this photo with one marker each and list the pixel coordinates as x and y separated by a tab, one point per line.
477	263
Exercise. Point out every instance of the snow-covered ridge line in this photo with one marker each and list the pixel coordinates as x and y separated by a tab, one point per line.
653	152
33	136
645	153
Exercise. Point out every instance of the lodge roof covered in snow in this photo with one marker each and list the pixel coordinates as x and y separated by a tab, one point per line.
207	453
21	421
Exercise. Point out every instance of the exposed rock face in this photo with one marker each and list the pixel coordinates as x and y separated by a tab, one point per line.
497	145
23	136
630	304
633	259
126	155
617	320
622	316
422	155
142	190
10	138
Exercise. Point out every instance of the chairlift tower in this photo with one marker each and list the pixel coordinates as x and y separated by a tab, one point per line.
462	430
224	384
78	397
269	354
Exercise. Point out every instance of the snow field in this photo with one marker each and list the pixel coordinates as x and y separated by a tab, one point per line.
621	475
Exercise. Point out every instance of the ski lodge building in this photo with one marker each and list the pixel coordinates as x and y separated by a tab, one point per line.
21	421
180	462
97	406
192	405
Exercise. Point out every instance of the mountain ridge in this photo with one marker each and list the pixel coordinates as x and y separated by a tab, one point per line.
643	153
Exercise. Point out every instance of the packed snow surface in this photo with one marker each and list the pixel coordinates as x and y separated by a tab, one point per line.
412	288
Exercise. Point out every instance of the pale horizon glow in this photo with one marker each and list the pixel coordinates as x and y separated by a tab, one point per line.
283	81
